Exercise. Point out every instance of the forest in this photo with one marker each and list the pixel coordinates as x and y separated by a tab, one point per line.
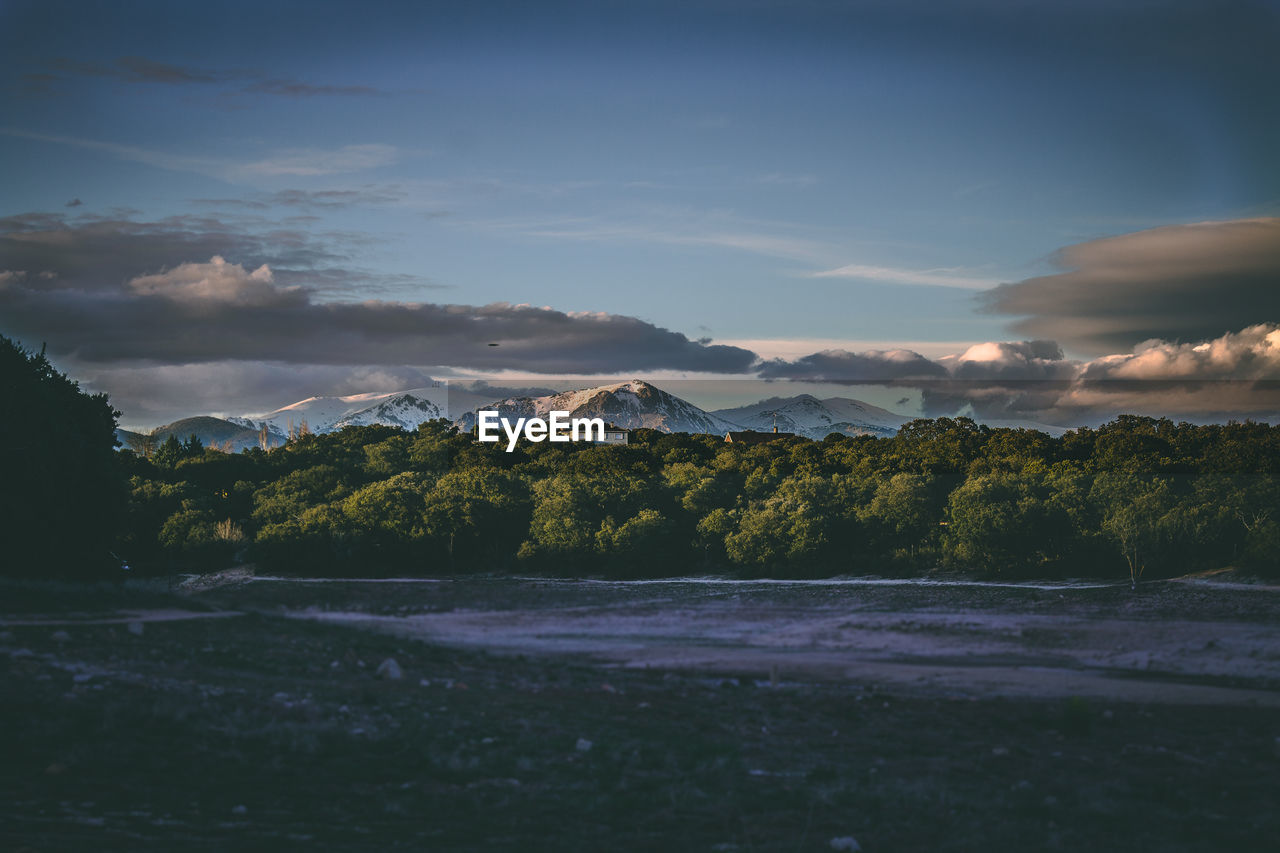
1137	497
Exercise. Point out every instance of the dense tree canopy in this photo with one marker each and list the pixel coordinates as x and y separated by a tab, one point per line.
63	494
1136	497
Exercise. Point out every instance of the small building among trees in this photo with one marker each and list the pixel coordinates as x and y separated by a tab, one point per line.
614	435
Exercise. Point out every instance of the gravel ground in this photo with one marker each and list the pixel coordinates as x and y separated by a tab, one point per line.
262	730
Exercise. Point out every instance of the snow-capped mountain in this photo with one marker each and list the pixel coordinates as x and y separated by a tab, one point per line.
404	409
626	404
808	416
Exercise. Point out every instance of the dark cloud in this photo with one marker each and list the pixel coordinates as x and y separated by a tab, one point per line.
1179	282
283	324
1010	360
339	280
111	291
93	252
855	367
997	380
75	202
482	388
97	252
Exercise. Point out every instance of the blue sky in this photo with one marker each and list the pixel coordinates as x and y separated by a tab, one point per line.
780	177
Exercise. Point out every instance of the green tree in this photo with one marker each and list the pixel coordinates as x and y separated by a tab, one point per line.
1138	516
478	516
1005	521
905	511
787	533
638	545
571	506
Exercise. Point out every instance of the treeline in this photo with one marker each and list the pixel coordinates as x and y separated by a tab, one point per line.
1135	496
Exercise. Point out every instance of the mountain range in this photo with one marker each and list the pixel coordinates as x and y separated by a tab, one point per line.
405	409
813	418
630	405
625	404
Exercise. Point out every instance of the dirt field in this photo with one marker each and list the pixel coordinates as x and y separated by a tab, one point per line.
956	640
557	715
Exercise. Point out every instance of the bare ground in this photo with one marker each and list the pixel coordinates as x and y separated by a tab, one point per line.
1160	645
685	716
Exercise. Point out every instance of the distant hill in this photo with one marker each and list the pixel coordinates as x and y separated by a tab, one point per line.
808	416
212	432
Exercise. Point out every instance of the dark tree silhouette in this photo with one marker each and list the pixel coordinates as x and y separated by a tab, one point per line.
63	490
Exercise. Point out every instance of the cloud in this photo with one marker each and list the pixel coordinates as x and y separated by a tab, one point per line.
207	312
772	245
88	252
937	278
150	394
1178	282
214	282
786	179
124	291
482	388
1004	360
317	161
84	252
1236	375
1251	354
837	365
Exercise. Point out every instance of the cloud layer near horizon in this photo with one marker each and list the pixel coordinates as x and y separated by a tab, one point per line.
200	312
114	291
1178	282
134	312
1233	375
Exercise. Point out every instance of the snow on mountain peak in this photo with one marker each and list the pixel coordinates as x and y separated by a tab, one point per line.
632	404
806	415
404	409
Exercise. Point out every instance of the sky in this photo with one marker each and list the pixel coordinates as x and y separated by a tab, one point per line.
1034	211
